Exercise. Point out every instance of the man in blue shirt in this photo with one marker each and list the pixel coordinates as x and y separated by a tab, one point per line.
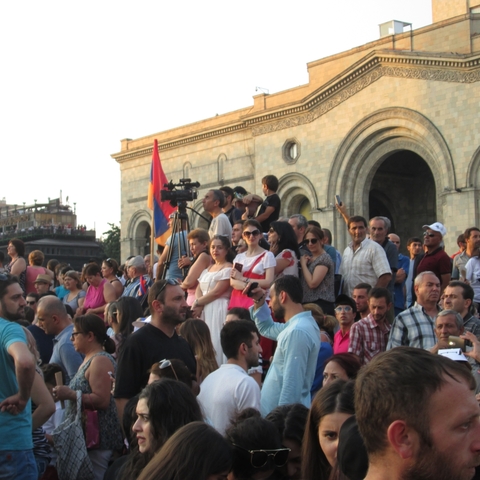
291	374
401	277
53	318
17	370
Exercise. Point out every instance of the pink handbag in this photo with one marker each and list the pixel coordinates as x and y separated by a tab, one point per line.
92	427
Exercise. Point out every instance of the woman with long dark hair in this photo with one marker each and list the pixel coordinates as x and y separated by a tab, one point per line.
195	452
331	406
318	272
125	311
284	245
163	407
110	271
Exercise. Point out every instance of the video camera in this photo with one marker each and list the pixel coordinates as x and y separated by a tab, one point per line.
186	191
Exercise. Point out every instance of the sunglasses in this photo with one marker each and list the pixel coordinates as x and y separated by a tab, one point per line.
426	234
344	308
313	241
253	233
165	364
259	458
169	281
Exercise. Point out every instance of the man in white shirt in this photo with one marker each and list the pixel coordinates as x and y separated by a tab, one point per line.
213	203
229	390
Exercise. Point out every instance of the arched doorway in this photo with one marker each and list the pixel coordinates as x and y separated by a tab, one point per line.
403	189
142	239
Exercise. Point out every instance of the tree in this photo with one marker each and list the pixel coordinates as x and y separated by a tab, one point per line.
111	242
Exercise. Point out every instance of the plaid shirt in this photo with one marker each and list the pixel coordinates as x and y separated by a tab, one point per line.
472	324
413	328
366	264
368	339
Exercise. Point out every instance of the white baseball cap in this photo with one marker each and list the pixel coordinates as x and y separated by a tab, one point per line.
437	227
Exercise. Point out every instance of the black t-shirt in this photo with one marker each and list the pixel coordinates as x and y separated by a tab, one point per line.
141	350
271	201
234	214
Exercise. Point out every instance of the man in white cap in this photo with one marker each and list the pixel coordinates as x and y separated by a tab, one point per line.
434	259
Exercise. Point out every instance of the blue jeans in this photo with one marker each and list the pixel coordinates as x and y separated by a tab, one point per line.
42	464
18	465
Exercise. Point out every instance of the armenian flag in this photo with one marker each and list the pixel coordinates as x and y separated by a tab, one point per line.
161	210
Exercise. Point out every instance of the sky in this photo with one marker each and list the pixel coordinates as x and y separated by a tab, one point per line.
77	77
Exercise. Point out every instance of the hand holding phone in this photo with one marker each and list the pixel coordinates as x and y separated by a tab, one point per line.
253	286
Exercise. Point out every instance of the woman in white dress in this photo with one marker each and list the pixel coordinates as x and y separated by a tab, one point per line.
213	292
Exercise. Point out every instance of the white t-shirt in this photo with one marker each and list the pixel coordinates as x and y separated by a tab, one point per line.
226	392
267	261
292	267
220	226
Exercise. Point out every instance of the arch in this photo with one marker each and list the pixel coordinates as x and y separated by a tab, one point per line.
294	188
138	217
370	142
138	233
473	170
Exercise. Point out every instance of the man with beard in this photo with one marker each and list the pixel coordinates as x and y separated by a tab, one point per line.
229	390
291	373
155	341
418	417
17	370
369	336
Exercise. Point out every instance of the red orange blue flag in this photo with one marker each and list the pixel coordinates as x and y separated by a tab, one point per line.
161	210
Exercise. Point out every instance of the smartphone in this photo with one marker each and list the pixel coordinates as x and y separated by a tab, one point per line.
457	342
253	286
238	266
338	200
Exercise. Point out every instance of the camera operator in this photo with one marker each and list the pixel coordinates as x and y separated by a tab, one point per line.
172	244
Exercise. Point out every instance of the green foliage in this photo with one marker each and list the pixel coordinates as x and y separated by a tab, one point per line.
111	242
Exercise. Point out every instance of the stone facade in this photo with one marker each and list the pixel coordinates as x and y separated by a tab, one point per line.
392	127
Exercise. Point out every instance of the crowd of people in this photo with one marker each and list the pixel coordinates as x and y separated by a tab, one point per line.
254	350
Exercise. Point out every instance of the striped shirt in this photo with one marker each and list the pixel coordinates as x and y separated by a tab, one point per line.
413	328
368	338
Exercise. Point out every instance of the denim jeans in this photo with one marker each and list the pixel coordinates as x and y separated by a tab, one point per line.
42	464
18	465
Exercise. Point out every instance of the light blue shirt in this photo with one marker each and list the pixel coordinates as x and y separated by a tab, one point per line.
291	374
65	354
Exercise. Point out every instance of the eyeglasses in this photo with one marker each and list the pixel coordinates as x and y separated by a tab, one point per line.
426	234
343	308
253	233
259	458
74	334
313	241
165	364
33	302
169	281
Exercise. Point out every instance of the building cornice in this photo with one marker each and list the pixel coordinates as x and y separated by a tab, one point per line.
388	63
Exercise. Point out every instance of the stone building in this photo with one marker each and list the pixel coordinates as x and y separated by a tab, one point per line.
392	126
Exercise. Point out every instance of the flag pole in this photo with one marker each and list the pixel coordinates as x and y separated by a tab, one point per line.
152	233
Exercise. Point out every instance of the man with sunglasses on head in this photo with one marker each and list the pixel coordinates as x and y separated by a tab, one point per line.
154	341
345	311
17	370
